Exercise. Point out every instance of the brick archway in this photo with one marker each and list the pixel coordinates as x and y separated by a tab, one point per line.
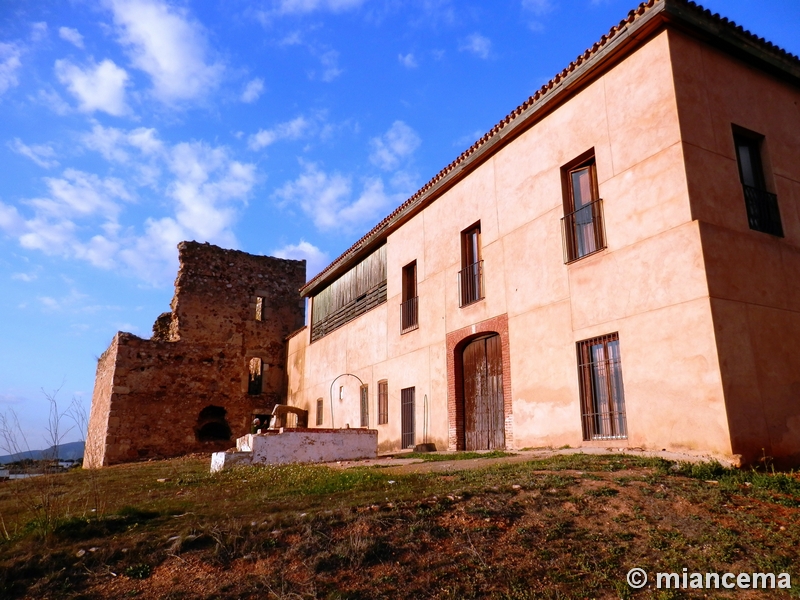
456	341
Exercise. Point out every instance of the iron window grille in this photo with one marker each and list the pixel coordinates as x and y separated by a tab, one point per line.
470	278
601	388
364	406
407	417
583	231
762	206
582	228
408	315
320	415
762	211
408	307
470	284
383	402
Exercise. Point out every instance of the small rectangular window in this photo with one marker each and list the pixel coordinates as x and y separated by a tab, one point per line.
383	402
260	308
256	376
602	392
470	278
364	406
582	225
319	411
408	308
762	206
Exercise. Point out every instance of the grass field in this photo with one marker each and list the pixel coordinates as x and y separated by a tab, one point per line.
564	527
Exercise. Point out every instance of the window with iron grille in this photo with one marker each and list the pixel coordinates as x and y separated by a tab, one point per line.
383	402
602	392
762	206
408	308
582	226
255	377
470	278
364	406
407	417
319	411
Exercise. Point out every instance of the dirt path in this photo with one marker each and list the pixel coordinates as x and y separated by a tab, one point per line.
393	463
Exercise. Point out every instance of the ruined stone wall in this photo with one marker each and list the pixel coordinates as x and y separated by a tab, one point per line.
101	407
189	389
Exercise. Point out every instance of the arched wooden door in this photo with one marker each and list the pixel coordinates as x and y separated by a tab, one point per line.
484	417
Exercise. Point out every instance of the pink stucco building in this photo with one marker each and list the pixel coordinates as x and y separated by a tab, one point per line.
615	263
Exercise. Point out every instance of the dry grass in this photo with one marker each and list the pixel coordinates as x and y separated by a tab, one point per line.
566	527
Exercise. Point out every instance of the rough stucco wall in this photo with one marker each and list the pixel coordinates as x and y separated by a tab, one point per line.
753	277
101	407
156	389
652	265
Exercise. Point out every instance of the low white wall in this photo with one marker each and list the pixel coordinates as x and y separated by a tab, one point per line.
299	446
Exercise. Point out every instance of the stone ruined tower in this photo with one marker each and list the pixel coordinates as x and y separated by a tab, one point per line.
214	361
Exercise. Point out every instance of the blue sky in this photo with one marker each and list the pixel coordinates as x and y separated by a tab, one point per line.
285	127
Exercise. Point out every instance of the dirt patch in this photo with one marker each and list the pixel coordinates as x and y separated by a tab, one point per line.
568	526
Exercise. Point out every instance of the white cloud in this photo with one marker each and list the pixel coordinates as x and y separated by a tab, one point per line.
98	87
26	277
206	181
42	154
114	143
299	7
10	220
9	65
53	228
330	66
478	45
327	198
51	100
316	259
290	130
252	90
38	31
165	44
539	7
407	60
199	190
71	35
398	143
77	193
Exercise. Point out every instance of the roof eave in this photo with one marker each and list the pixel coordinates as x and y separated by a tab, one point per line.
658	15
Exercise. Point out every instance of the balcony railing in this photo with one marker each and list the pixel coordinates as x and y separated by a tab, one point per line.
762	211
583	232
408	315
470	284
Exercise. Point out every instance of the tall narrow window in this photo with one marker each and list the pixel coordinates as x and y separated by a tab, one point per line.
470	278
602	393
407	417
582	225
256	376
319	411
408	308
762	206
383	402
259	308
364	406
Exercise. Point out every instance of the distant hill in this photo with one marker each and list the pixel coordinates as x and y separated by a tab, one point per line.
68	451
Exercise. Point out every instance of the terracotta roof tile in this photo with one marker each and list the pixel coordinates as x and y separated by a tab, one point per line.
635	14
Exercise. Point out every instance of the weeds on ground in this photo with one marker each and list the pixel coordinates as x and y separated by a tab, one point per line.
537	529
439	457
